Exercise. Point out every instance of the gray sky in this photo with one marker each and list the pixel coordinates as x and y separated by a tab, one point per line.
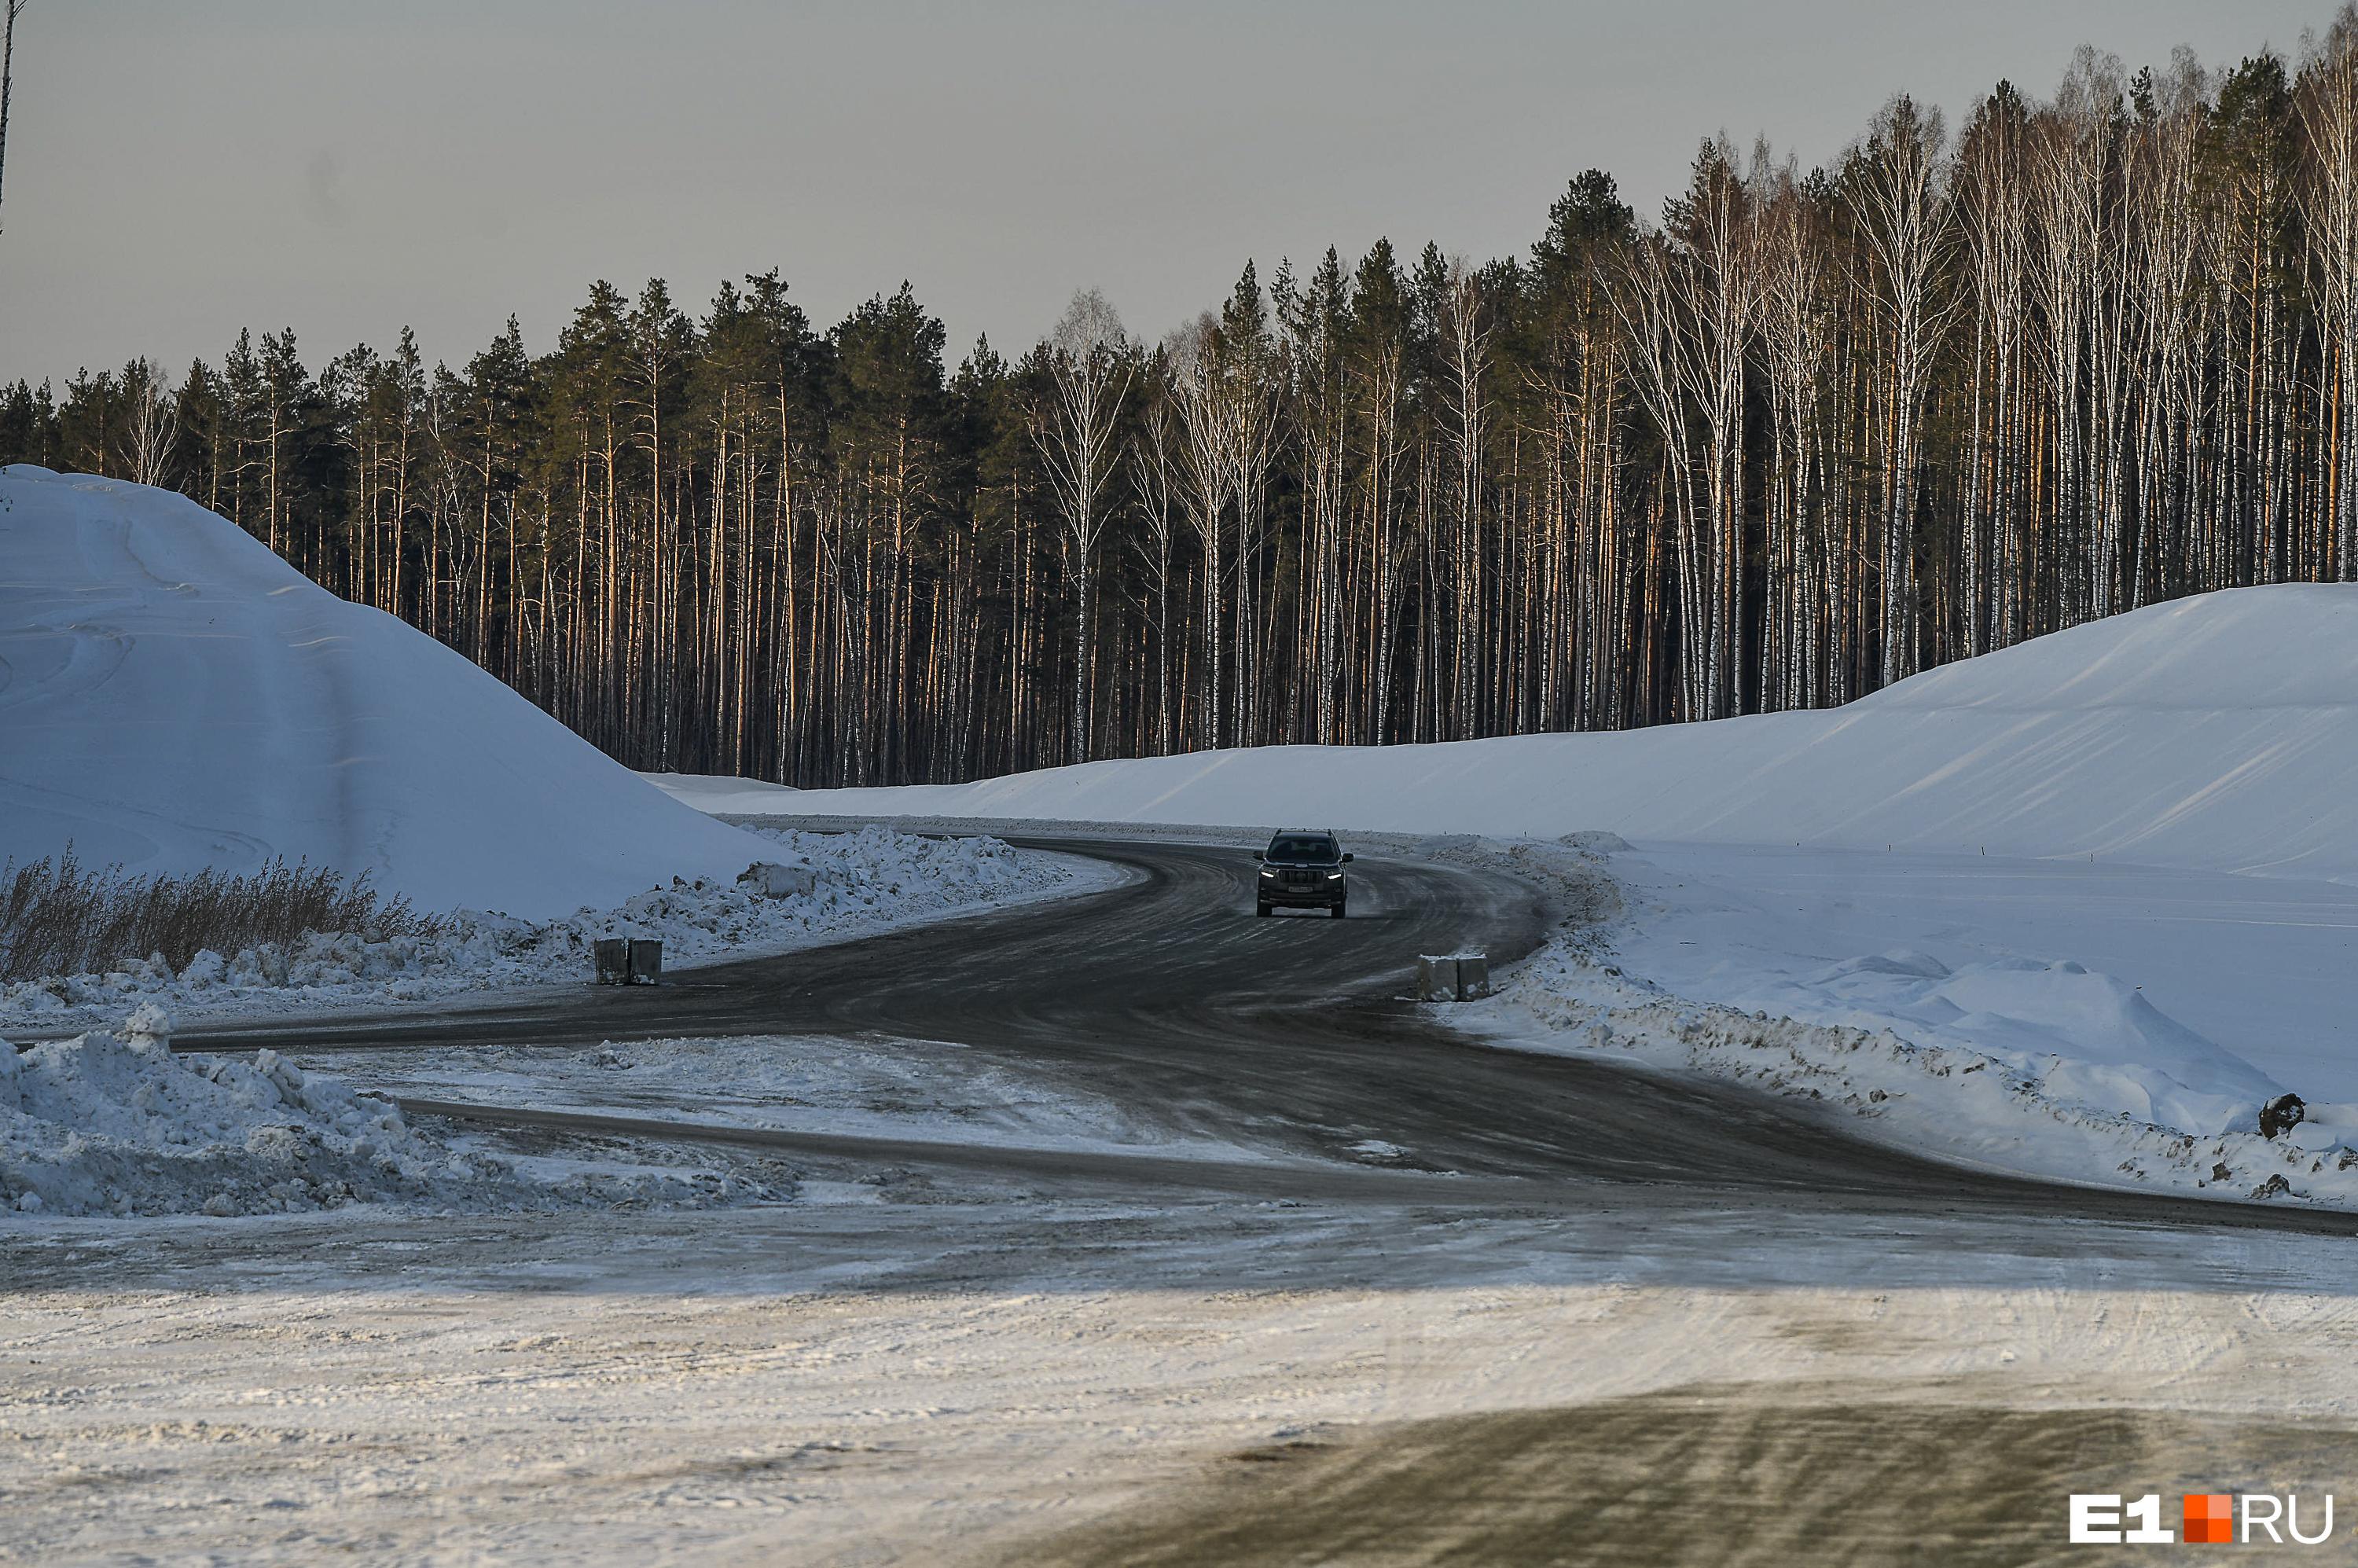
176	170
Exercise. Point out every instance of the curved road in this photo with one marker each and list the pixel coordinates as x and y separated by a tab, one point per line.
1288	1035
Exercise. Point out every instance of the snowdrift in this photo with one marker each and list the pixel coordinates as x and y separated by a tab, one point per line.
121	1125
2218	732
174	696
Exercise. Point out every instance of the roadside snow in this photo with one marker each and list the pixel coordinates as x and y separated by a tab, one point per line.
2037	1066
859	883
120	1125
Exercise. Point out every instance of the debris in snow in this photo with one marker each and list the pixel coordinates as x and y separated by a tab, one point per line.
2281	1115
773	881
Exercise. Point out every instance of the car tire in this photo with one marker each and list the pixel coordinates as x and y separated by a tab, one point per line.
1337	910
1262	909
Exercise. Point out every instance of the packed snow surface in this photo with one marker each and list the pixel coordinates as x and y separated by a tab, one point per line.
881	1087
173	695
2219	731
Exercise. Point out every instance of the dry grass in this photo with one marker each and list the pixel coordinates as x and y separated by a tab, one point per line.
56	918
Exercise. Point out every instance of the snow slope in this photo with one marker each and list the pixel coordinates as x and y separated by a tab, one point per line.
173	695
2219	732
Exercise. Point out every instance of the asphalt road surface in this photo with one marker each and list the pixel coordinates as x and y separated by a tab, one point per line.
1291	1036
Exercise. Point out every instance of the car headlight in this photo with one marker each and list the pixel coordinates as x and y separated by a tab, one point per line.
1269	870
1334	876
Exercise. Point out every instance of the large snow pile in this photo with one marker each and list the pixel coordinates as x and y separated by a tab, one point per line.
836	886
2218	731
2042	1066
118	1125
173	695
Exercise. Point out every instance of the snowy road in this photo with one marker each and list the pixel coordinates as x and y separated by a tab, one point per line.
1288	1039
1443	1303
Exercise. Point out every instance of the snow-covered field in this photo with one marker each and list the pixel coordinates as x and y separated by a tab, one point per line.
423	1342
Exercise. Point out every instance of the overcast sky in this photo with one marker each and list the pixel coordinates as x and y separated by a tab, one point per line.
178	170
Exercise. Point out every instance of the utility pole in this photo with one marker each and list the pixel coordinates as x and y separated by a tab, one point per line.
7	59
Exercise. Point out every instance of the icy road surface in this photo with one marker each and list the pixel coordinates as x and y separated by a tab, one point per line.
1443	1298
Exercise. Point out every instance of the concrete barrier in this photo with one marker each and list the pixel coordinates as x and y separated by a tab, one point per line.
1451	977
646	961
628	961
614	956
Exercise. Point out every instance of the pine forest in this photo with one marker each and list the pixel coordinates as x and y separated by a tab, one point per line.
1811	431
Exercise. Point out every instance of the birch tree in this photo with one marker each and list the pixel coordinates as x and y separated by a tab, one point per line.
1092	361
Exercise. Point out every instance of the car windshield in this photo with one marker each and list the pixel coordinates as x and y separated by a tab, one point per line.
1317	850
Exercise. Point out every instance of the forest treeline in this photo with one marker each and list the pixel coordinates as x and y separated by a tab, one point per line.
1810	433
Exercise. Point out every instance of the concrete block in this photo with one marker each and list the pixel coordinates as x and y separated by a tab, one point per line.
1451	977
646	961
1436	978
614	956
773	881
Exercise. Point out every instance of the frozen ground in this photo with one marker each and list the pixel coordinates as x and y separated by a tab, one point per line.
933	1376
860	884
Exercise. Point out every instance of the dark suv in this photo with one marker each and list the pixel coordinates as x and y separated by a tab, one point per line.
1302	869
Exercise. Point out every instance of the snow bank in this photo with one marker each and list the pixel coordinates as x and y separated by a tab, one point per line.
2040	1066
2219	731
173	695
859	883
109	1125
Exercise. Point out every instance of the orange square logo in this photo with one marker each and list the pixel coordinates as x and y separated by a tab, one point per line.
2209	1518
